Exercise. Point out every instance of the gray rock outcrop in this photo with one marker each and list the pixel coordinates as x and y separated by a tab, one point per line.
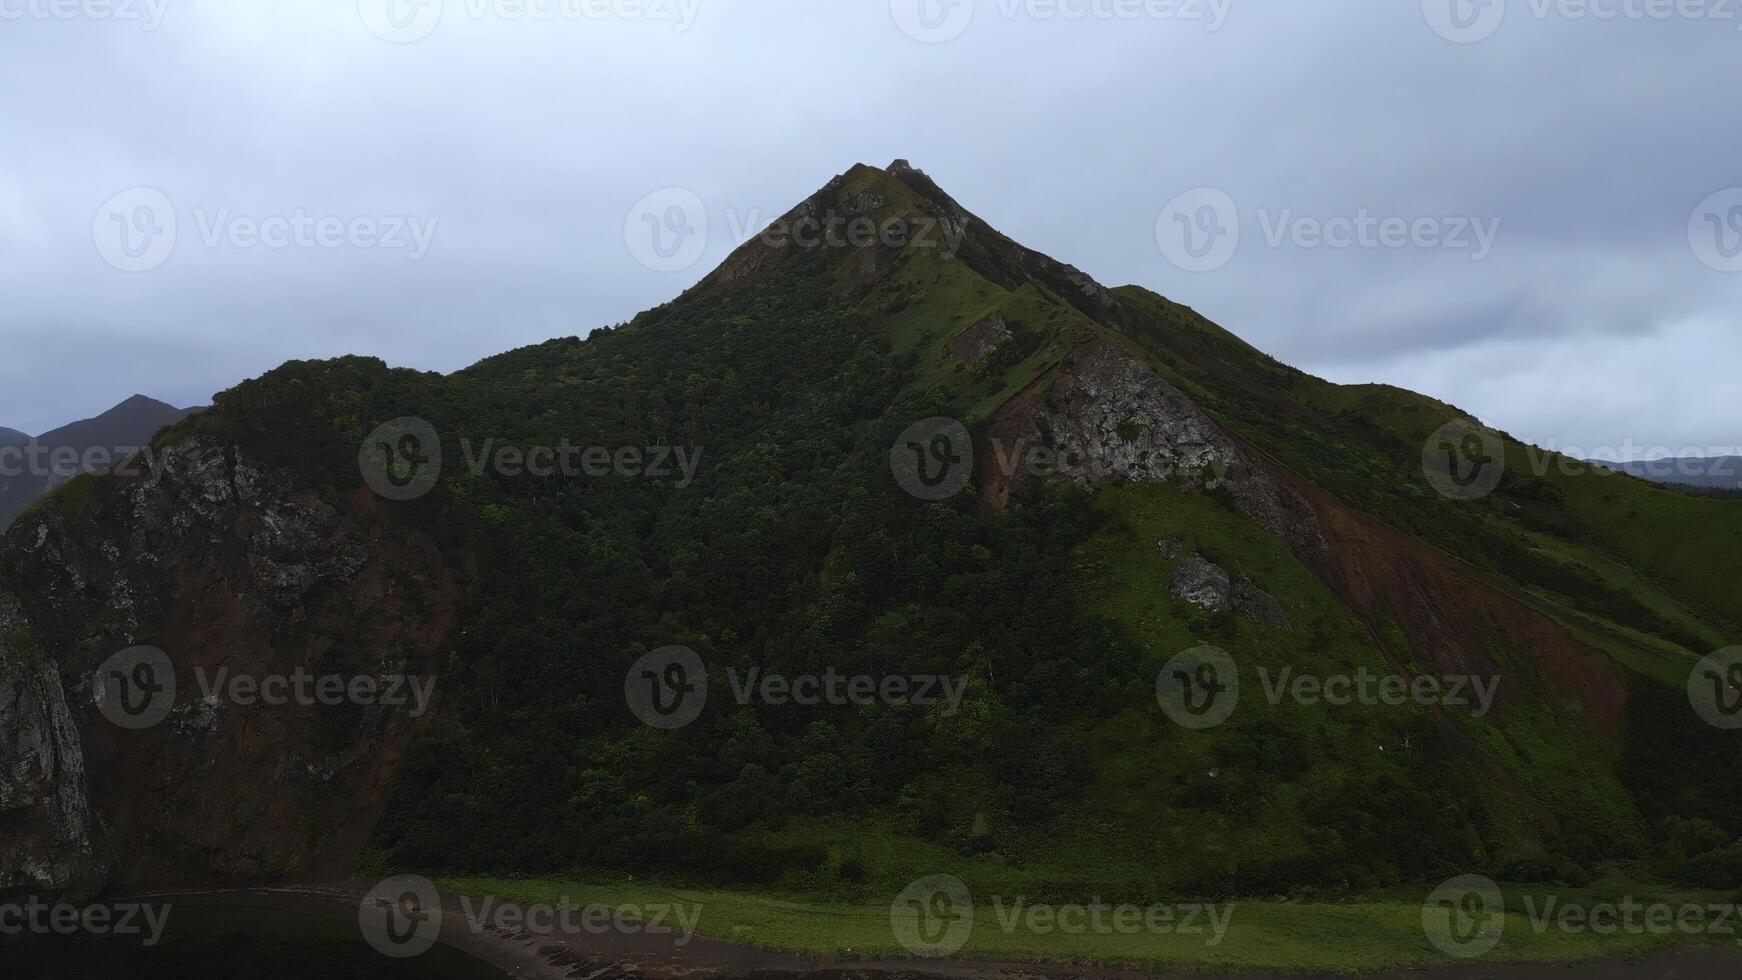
51	840
1204	583
1111	419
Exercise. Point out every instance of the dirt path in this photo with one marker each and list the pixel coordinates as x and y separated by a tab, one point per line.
635	955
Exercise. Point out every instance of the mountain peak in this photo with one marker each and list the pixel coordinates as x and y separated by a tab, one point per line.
120	430
906	195
138	402
129	423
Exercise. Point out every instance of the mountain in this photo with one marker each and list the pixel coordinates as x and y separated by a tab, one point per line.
1708	472
911	450
47	461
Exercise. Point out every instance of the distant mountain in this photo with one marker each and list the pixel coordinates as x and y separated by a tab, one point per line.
31	467
1712	472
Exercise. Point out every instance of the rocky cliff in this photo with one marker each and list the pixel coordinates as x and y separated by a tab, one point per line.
49	840
233	572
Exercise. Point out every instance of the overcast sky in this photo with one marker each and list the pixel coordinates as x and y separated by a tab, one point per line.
1539	220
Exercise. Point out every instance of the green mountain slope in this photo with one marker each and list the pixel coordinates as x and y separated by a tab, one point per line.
1050	591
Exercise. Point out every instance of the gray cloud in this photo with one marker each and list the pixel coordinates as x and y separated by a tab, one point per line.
525	141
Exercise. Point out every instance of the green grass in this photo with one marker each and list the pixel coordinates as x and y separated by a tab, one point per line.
1650	526
1384	932
1655	657
947	297
71	497
1144	762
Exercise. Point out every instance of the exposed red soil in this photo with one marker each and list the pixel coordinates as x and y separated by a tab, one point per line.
1451	614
